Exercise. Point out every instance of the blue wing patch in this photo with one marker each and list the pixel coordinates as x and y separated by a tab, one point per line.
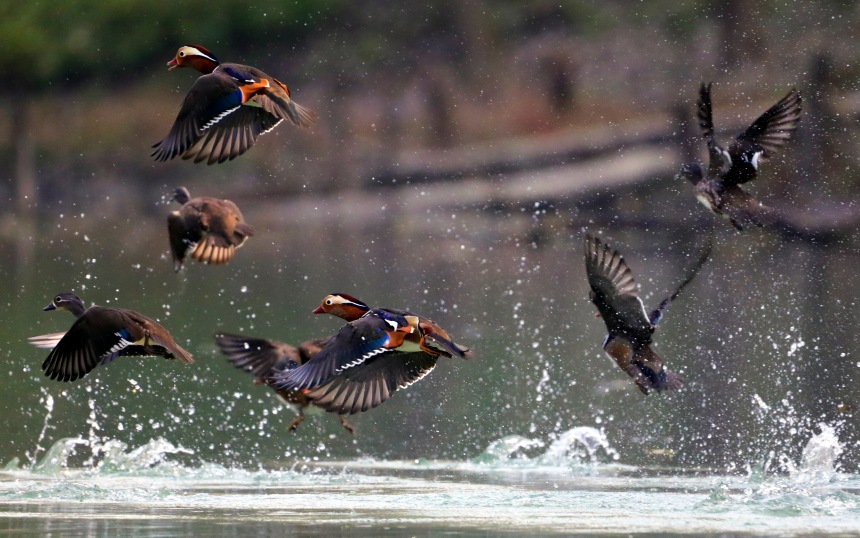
362	352
225	105
242	77
124	333
396	321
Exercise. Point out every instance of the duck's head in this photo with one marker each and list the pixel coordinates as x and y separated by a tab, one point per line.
67	301
195	56
691	172
181	195
343	306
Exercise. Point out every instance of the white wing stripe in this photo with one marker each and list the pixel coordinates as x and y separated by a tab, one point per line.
122	344
421	376
361	359
219	117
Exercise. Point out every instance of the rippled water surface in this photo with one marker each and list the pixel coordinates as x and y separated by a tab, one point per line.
539	434
564	489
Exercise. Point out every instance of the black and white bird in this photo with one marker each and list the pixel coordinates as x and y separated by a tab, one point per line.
718	186
630	327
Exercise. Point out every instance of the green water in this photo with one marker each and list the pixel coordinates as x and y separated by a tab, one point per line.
146	493
764	338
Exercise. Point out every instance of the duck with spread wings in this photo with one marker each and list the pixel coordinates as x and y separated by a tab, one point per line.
370	358
630	327
718	187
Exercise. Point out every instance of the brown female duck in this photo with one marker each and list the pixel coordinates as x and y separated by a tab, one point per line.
99	336
264	358
208	230
630	327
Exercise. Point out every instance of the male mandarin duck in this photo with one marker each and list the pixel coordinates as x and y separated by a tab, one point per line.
227	109
427	335
342	305
630	327
207	229
718	187
263	358
99	336
370	358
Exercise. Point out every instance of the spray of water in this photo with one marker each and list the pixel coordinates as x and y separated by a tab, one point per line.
579	445
48	402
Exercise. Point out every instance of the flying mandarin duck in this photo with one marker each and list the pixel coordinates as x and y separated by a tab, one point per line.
378	352
226	110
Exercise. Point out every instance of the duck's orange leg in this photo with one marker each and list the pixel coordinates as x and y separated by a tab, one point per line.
346	424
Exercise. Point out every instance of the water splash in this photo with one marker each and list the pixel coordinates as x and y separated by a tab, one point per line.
507	448
579	445
779	421
113	456
807	488
117	457
48	402
818	461
57	457
94	440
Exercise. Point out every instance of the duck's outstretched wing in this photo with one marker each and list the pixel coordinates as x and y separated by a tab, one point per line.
360	389
258	356
719	161
761	140
614	291
357	342
657	313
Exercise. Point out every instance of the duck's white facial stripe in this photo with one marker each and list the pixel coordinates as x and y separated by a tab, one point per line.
197	52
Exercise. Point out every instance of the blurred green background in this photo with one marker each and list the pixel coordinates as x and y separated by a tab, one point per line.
461	150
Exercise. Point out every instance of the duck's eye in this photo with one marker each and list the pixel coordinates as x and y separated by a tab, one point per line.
328	302
181	54
58	299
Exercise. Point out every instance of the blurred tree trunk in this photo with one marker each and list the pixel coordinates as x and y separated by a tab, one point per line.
24	180
689	142
473	25
340	141
559	75
439	103
817	140
739	33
